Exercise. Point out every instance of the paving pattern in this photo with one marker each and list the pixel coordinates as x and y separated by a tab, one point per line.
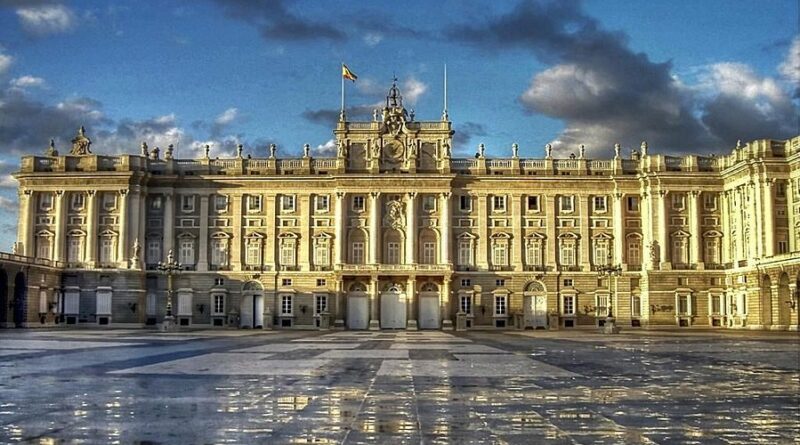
652	387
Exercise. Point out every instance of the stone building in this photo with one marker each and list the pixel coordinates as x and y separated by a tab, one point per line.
394	233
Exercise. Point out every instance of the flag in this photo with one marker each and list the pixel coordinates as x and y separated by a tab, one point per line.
347	74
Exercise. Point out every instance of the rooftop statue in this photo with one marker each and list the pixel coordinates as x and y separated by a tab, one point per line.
51	149
81	143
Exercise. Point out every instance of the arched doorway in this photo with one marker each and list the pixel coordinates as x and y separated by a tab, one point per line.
20	299
429	312
357	306
766	301
3	298
784	302
534	302
393	307
252	306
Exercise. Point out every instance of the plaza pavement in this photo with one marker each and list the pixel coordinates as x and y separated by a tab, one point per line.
525	387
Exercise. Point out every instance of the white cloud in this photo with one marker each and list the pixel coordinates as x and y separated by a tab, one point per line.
27	82
326	149
737	79
373	38
8	205
413	89
227	116
5	63
46	19
790	68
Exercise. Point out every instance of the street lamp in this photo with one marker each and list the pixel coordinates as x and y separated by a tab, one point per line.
169	268
609	270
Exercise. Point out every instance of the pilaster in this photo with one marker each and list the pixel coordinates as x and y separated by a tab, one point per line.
447	319
202	260
122	244
586	239
169	223
27	217
340	220
769	218
411	224
374	320
551	243
374	227
305	242
619	229
236	239
91	228
663	239
411	303
482	259
696	239
517	241
60	224
445	228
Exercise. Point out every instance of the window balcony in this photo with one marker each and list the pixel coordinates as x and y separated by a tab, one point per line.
535	268
569	268
500	267
289	268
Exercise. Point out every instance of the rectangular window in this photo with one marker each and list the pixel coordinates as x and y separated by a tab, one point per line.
186	252
534	254
393	253
568	282
500	282
187	203
633	203
253	255
428	203
219	252
109	201
533	203
636	306
500	305
465	253
287	254
569	305
358	203
106	250
428	253
677	201
465	203
600	204
716	305
153	251
321	282
320	304
602	304
155	203
253	203
466	282
601	253
567	204
219	305
683	305
286	282
74	250
287	203
567	255
780	189
220	203
634	253
322	203
358	253
466	304
78	201
498	203
499	254
783	247
286	305
219	281
709	201
321	254
45	201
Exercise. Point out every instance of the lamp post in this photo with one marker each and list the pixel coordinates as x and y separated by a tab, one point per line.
611	271
169	268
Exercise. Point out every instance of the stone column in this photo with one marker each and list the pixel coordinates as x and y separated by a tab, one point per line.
769	219
27	216
339	310
236	240
791	189
374	227
411	233
619	230
202	259
122	242
269	248
517	241
725	216
411	303
339	247
445	257
447	320
374	320
305	243
695	228
662	230
586	239
142	235
169	224
482	260
551	243
755	222
60	223
91	228
646	208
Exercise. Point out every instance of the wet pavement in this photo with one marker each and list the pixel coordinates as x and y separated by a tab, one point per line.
654	387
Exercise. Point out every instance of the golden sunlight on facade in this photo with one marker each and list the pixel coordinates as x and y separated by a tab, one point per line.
395	233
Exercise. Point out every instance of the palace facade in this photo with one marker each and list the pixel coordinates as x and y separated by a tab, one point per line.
394	233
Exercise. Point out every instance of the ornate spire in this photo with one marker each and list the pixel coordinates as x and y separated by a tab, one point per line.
81	143
394	99
51	149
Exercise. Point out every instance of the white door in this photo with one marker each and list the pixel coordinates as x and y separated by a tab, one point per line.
528	302
246	311
540	312
393	310
429	312
357	312
258	311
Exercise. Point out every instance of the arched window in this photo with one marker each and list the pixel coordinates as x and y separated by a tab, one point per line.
358	247
634	249
393	247
428	246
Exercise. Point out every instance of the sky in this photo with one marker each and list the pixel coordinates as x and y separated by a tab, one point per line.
687	76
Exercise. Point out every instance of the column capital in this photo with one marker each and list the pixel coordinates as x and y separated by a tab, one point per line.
59	193
446	194
618	195
123	192
375	194
411	195
91	192
662	193
340	195
694	193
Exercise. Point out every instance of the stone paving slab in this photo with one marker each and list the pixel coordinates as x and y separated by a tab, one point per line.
8	352
284	347
473	366
60	345
452	347
365	354
230	364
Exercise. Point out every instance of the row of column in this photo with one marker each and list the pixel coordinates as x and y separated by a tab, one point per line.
655	227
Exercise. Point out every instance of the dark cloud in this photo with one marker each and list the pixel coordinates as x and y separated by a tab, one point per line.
274	20
328	116
465	133
604	91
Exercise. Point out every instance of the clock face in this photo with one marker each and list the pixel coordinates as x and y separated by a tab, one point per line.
394	150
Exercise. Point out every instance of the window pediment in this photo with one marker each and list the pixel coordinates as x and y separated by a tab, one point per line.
466	235
602	236
535	236
187	235
712	234
568	235
680	234
501	235
288	235
222	235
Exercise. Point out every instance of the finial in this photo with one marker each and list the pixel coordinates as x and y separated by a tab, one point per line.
272	149
306	150
144	151
169	152
207	150
411	115
548	151
582	150
514	150
617	148
481	150
51	149
644	148
82	131
239	149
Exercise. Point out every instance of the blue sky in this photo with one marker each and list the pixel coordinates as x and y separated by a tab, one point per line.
687	76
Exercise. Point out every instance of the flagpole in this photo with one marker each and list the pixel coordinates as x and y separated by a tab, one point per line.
342	76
